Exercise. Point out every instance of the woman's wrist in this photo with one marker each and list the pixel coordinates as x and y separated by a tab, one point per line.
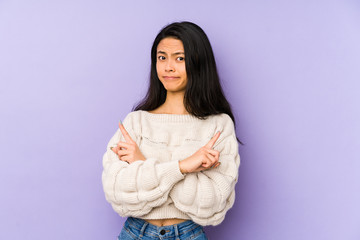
181	167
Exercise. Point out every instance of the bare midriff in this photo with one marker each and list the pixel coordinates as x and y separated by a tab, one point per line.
165	222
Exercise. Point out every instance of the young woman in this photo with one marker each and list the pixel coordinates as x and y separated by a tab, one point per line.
172	166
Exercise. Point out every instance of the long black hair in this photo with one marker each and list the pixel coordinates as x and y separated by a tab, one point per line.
203	94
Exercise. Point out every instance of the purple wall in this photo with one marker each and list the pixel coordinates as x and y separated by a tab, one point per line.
69	70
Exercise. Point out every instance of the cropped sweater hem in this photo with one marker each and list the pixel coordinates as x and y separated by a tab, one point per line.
165	212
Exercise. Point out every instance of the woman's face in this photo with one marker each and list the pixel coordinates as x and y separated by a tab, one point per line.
170	64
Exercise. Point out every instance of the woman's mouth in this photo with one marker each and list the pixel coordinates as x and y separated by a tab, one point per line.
170	77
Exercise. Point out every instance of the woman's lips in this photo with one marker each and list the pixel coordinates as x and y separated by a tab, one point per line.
170	77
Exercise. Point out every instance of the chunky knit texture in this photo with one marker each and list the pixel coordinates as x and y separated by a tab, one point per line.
155	188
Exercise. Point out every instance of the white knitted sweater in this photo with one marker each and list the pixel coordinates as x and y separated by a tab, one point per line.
155	188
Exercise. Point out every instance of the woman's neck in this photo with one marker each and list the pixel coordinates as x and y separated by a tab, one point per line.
174	104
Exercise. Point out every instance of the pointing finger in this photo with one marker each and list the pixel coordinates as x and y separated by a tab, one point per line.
125	133
212	141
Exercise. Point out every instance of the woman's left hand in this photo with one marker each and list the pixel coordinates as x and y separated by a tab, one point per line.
127	151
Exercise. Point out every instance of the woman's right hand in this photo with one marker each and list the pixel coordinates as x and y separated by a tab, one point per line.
127	151
203	159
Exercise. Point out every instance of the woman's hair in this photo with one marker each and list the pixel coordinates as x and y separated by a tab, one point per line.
203	94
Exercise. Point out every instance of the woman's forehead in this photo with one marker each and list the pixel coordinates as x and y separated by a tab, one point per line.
170	45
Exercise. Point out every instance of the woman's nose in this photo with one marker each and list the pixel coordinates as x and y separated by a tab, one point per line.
169	66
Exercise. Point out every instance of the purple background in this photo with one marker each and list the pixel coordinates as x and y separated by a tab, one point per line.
70	70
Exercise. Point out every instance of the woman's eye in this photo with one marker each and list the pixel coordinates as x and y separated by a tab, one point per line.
180	58
161	57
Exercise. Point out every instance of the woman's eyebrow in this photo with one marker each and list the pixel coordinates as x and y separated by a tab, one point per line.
176	53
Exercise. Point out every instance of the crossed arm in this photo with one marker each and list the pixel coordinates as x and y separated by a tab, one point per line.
203	159
135	185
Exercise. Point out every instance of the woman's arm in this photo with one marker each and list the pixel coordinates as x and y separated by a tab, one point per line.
135	189
207	195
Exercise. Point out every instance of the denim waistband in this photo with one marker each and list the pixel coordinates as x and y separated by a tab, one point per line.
142	228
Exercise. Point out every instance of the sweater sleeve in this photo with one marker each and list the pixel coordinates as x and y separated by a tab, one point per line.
206	196
135	189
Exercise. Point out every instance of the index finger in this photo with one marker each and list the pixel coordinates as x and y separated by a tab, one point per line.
126	135
212	141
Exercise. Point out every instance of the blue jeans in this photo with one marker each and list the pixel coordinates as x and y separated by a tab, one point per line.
135	228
